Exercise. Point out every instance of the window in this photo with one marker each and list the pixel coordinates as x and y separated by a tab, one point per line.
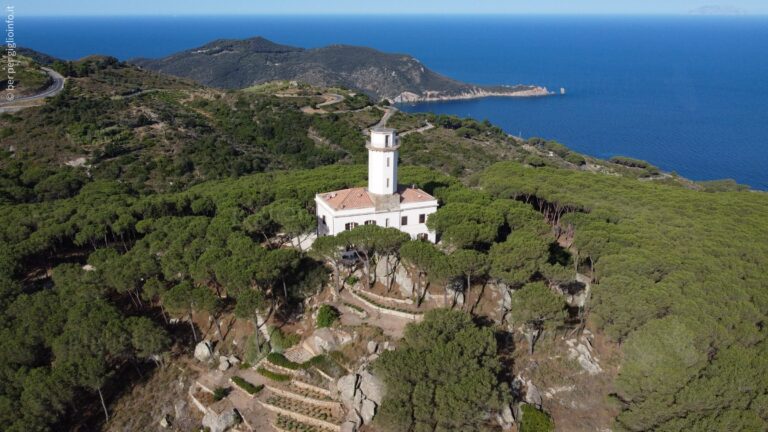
387	182
387	162
386	140
386	222
324	220
350	225
422	237
422	218
370	222
404	220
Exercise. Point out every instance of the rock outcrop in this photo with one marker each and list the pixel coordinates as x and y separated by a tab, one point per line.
361	394
220	422
204	351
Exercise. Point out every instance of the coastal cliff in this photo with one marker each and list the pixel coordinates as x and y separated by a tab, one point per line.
473	93
396	77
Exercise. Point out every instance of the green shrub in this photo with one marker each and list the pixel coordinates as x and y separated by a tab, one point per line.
246	385
354	307
272	375
351	280
575	159
280	360
535	420
220	393
326	316
282	341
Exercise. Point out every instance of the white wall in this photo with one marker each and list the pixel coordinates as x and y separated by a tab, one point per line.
382	179
336	221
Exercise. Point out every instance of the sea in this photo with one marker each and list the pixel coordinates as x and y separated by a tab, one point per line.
686	93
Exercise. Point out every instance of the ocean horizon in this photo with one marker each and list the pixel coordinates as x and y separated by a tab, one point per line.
688	94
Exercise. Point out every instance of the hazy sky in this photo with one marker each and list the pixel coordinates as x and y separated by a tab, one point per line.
228	7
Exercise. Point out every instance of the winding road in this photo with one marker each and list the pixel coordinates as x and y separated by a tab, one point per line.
26	101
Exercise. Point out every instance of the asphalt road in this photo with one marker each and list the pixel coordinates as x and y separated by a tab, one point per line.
55	88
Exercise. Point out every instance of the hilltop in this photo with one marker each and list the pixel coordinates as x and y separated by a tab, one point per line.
134	195
398	77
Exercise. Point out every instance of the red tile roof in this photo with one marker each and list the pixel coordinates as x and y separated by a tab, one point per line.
348	199
412	195
359	198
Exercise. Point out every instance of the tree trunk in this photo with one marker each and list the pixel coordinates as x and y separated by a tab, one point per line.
192	324
103	405
256	325
367	265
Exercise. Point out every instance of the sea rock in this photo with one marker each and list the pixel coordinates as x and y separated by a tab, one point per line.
204	351
220	422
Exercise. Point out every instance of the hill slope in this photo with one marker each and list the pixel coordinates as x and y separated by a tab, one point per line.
398	77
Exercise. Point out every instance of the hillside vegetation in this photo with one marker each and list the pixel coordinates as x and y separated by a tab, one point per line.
680	284
134	197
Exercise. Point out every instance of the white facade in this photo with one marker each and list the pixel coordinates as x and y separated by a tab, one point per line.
383	202
382	161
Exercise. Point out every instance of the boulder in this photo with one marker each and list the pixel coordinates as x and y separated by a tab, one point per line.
373	347
328	339
233	360
368	410
347	386
371	387
180	408
582	353
352	422
224	363
533	396
507	418
204	351
220	422
165	422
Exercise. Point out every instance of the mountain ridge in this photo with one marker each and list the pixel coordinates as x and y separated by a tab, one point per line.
240	63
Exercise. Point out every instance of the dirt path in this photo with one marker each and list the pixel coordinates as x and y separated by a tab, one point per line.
422	129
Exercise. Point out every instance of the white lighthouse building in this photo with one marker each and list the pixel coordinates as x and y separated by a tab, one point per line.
383	202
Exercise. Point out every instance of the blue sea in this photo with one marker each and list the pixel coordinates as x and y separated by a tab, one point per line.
688	94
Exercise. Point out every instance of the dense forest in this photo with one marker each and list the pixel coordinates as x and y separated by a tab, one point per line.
177	203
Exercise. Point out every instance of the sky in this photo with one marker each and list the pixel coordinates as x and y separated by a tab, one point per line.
308	7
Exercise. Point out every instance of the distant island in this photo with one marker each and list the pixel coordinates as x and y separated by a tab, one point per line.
395	77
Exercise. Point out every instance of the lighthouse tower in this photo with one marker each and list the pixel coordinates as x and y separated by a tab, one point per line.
383	202
382	161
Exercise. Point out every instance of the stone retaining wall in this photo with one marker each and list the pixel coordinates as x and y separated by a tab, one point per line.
386	299
316	389
305	399
406	315
301	417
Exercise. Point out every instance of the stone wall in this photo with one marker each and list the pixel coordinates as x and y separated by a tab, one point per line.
406	315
